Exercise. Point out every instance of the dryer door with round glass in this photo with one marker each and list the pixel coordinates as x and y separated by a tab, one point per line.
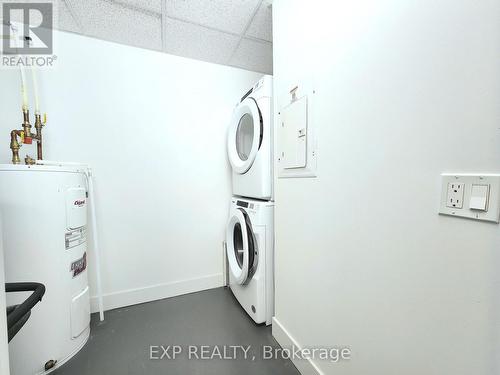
241	252
245	135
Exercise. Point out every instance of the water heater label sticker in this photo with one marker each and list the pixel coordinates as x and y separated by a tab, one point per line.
75	237
79	203
79	266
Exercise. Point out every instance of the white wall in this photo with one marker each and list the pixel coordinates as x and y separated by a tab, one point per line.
4	348
405	90
153	127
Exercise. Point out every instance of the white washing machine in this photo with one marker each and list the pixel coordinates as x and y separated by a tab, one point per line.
250	144
250	254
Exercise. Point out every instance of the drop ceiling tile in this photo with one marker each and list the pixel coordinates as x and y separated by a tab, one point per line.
254	55
149	5
226	15
197	42
262	24
111	21
65	20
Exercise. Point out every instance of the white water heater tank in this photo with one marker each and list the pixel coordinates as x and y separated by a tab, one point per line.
44	214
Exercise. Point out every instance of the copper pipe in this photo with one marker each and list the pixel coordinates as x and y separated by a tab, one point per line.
27	137
38	136
26	123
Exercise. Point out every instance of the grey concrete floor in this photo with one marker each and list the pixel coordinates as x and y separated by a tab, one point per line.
121	344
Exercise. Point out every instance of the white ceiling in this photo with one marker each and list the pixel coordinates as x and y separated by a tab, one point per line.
230	32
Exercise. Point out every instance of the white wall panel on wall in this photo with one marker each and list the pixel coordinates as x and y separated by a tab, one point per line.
153	128
405	90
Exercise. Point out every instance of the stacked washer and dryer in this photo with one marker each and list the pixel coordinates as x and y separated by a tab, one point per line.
250	229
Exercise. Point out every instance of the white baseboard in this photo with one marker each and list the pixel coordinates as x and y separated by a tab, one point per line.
155	292
305	366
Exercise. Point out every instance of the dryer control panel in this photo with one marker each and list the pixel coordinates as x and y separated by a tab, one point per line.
245	204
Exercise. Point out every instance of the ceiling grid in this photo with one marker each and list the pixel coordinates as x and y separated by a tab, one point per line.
230	32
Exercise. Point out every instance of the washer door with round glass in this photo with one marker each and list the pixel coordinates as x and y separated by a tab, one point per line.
240	247
244	136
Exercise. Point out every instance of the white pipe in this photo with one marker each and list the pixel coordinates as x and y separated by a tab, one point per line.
88	174
35	90
24	92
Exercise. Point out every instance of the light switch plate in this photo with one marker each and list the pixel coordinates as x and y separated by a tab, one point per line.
461	190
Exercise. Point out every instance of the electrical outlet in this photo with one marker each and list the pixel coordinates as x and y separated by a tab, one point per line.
455	195
471	196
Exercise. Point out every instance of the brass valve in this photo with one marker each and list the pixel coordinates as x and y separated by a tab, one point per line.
14	145
27	137
28	160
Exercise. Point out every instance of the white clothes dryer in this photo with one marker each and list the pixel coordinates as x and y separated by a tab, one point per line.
249	142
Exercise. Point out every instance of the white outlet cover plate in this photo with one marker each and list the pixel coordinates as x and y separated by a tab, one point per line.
493	180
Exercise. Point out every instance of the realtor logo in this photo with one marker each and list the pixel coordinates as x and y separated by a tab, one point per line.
27	28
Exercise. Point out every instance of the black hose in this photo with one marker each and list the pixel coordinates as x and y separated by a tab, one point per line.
12	331
18	315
